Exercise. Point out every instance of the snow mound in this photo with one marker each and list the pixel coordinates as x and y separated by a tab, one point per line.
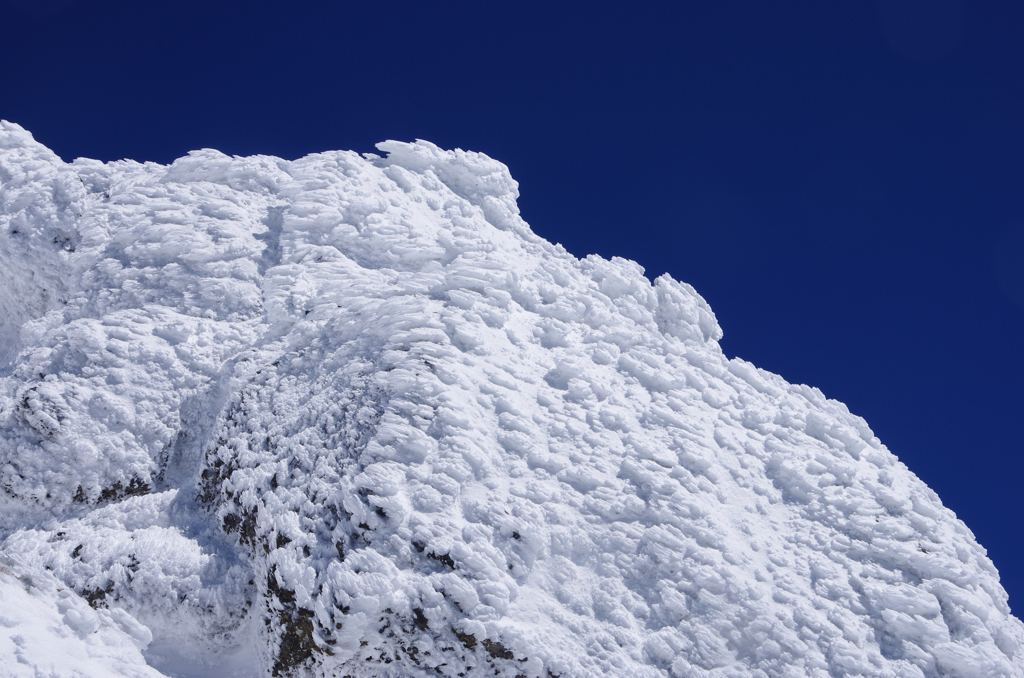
348	416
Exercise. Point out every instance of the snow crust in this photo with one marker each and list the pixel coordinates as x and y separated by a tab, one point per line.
348	416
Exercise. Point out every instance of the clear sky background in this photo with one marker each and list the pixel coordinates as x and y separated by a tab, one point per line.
843	182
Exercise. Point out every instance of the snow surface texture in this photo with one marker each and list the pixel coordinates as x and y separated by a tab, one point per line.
349	416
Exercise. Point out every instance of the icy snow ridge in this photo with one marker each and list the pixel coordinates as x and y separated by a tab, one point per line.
349	416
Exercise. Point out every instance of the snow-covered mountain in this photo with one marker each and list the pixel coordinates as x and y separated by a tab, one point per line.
348	416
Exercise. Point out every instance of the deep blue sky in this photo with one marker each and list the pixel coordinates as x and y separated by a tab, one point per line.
844	182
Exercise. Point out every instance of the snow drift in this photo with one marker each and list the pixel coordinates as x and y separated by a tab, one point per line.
348	416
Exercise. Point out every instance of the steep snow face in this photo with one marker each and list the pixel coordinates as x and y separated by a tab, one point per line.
349	416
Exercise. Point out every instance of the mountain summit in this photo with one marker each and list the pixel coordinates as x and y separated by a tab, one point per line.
349	416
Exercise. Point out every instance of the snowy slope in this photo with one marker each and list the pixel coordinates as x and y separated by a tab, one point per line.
348	416
47	630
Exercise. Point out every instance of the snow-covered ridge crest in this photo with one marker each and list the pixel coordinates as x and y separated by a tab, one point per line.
348	415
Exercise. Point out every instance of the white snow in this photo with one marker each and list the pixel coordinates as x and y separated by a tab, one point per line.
47	630
348	415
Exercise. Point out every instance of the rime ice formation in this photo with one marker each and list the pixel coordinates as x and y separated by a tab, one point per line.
348	416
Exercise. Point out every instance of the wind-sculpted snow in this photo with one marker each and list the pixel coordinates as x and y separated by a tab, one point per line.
348	416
